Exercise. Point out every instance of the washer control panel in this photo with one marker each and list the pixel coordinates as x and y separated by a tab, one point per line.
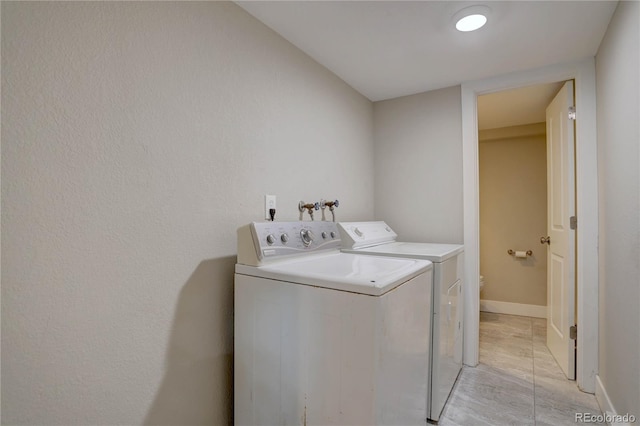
275	239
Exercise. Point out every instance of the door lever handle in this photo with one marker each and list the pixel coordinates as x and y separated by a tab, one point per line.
545	240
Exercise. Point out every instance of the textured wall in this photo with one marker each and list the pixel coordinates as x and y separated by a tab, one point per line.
618	103
136	138
513	215
418	163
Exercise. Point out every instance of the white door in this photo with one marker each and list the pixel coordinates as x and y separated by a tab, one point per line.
561	273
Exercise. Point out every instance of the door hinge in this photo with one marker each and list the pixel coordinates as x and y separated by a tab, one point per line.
573	222
573	332
572	113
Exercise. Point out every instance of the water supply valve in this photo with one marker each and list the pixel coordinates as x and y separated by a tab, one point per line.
309	207
332	205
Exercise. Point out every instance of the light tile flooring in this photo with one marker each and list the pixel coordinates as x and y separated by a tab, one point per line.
517	382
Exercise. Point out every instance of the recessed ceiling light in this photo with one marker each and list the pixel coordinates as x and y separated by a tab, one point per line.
471	18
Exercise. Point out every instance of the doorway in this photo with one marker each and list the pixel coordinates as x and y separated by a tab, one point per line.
526	185
583	73
513	199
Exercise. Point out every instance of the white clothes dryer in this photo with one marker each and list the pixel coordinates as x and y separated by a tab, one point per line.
377	238
325	337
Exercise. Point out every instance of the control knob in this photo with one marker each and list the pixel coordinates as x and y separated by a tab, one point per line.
307	237
271	239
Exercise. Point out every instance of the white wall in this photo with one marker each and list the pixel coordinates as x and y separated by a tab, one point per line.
618	109
136	138
418	164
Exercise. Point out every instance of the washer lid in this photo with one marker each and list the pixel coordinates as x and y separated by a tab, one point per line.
429	251
343	271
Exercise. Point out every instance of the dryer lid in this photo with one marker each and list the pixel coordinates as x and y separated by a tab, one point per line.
430	251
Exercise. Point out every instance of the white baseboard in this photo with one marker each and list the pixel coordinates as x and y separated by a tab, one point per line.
521	309
607	407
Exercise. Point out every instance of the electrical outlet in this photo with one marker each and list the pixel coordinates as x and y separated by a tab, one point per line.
269	203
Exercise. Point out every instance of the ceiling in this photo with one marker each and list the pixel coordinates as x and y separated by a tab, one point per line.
524	105
388	49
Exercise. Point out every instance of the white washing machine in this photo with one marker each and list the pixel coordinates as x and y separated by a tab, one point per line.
377	238
324	337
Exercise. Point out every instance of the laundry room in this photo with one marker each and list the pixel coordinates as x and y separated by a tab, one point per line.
138	137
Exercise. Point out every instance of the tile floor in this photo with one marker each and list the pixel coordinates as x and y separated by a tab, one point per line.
517	382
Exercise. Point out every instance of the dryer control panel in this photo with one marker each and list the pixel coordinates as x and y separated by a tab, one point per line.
261	242
365	234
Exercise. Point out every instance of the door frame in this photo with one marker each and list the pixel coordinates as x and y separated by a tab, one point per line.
583	73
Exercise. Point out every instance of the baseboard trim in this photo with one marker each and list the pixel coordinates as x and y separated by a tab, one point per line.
521	309
607	407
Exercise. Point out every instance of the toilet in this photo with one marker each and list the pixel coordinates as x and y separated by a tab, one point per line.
481	283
